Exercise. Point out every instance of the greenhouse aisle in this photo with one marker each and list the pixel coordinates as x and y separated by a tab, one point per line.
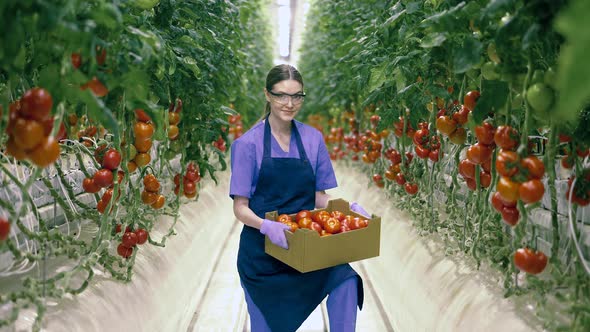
222	306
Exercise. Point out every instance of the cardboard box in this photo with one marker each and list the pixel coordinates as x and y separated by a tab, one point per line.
309	252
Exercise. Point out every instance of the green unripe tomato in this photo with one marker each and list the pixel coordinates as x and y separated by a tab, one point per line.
492	54
490	71
540	97
538	77
517	101
550	77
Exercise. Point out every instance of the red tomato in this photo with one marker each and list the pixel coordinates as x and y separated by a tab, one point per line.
96	86
435	155
485	133
485	179
142	116
142	235
27	133
118	228
358	223
89	186
507	163
111	159
129	239
506	137
461	115
151	183
36	104
467	169
148	197
76	60
124	251
302	214
510	215
304	222
400	179
421	137
284	218
101	55
534	166
470	99
332	225
190	188
479	153
103	178
4	229
531	191
159	203
143	130
338	215
316	227
411	188
530	261
497	202
46	153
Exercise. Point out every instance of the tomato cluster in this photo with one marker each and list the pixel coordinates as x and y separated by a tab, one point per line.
425	144
530	261
571	151
479	153
451	123
174	119
29	127
236	127
85	135
220	144
143	130
110	159
130	240
189	181
151	192
4	229
324	222
394	171
399	128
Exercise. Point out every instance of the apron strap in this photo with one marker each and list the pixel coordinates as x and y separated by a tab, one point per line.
267	135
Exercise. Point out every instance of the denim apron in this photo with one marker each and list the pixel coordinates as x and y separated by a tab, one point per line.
285	296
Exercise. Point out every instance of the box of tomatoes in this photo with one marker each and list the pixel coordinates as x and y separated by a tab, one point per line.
327	237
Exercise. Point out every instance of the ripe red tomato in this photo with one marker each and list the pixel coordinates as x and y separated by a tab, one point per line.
332	225
507	163
485	133
190	188
103	178
506	137
470	99
142	116
148	197
461	115
4	229
159	203
27	133
411	188
316	227
96	86
151	183
400	178
76	60
510	215
421	136
304	222
143	130
531	191
36	104
284	218
530	261
479	153
129	239
534	166
435	155
89	186
358	223
111	159
338	215
467	169
173	118
118	228
497	202
421	151
124	251
142	235
101	55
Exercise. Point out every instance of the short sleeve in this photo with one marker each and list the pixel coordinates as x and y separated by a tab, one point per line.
325	177
243	165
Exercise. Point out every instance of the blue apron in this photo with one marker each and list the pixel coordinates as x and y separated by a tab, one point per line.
285	296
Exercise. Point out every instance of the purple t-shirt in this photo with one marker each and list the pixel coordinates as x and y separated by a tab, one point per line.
246	158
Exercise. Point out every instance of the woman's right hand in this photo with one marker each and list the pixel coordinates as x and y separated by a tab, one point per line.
275	232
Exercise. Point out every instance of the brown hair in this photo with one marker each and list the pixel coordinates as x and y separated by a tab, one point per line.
280	73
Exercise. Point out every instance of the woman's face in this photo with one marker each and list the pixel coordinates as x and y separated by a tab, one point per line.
285	98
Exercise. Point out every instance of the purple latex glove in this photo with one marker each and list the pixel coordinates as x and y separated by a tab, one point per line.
275	232
354	206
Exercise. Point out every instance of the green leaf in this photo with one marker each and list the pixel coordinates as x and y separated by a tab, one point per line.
573	74
433	39
493	97
467	56
377	77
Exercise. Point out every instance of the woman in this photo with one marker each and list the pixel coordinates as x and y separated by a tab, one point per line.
283	165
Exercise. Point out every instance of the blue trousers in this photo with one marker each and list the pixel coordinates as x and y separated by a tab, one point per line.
342	309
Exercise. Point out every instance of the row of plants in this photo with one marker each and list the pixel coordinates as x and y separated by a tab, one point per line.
480	103
131	98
